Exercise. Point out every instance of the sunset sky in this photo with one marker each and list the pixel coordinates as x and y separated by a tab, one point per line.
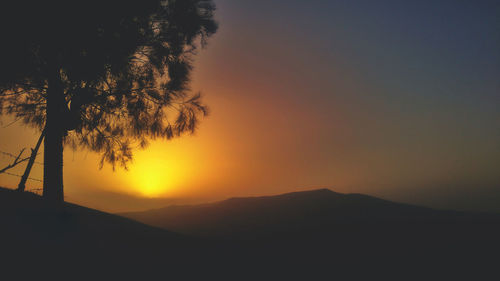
396	99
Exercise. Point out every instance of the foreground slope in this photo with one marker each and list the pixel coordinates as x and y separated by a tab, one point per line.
43	239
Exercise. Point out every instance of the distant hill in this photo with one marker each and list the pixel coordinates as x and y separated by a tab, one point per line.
327	233
299	213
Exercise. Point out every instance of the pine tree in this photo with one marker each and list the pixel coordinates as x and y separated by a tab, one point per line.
101	75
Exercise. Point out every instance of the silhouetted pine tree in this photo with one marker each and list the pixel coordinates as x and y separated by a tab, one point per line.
101	75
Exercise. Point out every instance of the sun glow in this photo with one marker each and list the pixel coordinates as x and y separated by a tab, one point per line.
155	172
152	179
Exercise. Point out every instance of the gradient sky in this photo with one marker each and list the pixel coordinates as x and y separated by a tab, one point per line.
397	99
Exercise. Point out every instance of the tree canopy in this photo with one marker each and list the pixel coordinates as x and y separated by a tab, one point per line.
111	73
123	65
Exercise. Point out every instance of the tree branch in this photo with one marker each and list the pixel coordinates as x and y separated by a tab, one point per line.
16	162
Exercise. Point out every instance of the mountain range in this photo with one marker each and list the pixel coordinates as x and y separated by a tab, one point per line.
300	213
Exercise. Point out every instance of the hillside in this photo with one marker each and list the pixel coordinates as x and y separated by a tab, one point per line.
39	238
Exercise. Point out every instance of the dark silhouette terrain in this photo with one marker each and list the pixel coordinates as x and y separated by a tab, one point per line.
313	235
354	232
303	213
43	239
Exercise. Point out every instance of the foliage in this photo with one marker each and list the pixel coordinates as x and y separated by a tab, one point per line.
123	67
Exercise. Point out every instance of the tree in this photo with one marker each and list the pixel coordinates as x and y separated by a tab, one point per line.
101	75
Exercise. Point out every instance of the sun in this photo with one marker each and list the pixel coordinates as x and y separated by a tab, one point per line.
156	177
163	169
154	174
152	179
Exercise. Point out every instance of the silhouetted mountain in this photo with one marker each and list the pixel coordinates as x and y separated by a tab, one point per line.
358	235
300	213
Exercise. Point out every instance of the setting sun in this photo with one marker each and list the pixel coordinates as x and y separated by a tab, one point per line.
156	171
152	179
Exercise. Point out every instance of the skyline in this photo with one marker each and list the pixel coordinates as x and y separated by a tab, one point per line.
387	99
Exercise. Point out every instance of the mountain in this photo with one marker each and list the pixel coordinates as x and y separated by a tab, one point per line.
300	213
322	231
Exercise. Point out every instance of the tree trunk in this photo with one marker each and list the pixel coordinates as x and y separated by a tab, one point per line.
53	144
34	152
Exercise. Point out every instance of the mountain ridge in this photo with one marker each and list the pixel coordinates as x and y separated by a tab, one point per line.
321	191
293	213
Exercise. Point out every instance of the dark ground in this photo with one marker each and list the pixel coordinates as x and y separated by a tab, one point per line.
318	235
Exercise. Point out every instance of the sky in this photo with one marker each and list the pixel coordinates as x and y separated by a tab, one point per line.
395	99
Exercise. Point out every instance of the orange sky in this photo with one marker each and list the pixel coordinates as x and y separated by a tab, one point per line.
292	110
